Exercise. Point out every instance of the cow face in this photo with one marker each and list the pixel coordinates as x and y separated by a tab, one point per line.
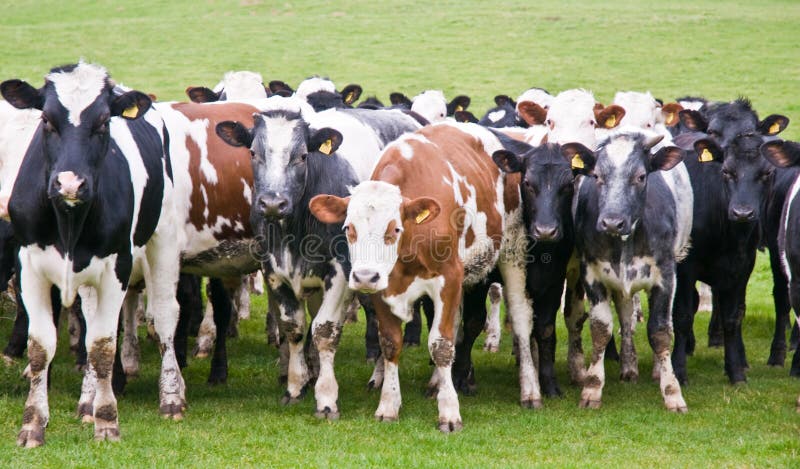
623	164
431	105
235	86
375	218
77	104
747	175
574	116
548	175
723	122
280	142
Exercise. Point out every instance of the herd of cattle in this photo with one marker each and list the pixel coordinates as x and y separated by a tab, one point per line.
414	206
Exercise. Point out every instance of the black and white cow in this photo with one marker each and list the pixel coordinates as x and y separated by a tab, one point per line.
320	93
785	154
234	86
298	154
632	225
95	213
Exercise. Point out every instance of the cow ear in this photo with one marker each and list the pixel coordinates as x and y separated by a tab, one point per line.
580	158
22	95
708	150
235	134
781	153
508	161
532	113
666	158
670	114
280	88
131	105
351	93
329	209
325	141
420	210
399	99
459	103
608	117
693	120
201	94
773	124
465	116
501	100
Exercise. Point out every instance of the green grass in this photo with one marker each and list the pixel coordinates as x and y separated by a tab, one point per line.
719	49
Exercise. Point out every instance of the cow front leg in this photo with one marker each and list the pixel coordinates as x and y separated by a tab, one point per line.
35	293
326	332
601	325
441	345
574	317
130	341
391	342
546	304
207	334
292	321
626	309
659	333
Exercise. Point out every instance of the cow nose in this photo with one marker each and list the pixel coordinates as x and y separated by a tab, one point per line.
273	205
69	185
742	213
545	232
612	225
365	279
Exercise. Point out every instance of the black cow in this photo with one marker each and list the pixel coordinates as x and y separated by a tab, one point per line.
94	182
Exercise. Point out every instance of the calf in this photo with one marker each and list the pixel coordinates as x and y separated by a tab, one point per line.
95	213
787	155
436	219
632	226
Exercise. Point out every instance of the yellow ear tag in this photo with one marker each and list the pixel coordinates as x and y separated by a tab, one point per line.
326	147
706	156
422	216
131	112
668	118
349	98
774	128
459	108
611	121
577	162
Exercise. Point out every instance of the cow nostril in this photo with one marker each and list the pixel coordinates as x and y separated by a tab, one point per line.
375	278
355	277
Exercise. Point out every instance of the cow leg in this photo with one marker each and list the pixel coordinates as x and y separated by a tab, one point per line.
313	303
19	333
601	324
220	299
629	366
371	335
413	328
391	342
683	311
273	331
35	292
189	299
574	317
715	326
659	334
293	326
77	325
493	329
130	341
326	332
731	314
520	309
473	322
207	334
242	298
545	306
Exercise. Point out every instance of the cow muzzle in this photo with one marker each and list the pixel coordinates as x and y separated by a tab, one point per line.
70	187
742	214
614	225
365	280
273	206
545	232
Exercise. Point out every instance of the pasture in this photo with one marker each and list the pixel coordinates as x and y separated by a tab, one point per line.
716	49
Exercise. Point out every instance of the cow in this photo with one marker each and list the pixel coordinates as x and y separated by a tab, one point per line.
632	223
430	104
436	218
786	154
234	86
95	213
298	154
727	227
320	93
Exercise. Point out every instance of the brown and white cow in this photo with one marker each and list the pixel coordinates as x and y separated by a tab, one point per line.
437	217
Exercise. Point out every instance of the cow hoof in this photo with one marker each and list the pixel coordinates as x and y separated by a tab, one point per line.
715	341
431	392
372	385
200	354
327	414
172	411
217	377
777	358
288	399
106	434
589	404
681	409
130	373
629	376
283	380
450	427
491	348
532	404
31	437
86	412
411	343
386	418
371	360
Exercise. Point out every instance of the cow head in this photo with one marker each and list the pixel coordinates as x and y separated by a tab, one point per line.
375	217
234	86
747	175
623	164
642	110
280	142
725	121
575	116
78	107
548	175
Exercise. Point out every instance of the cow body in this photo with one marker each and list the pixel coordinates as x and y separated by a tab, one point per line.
95	213
436	219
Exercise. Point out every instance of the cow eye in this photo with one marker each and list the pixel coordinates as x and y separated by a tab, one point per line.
728	174
102	126
398	230
641	178
252	153
48	125
764	176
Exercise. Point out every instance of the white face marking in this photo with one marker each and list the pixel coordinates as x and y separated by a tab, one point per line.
431	105
373	205
247	192
641	109
571	117
312	85
496	115
242	85
278	140
618	150
79	88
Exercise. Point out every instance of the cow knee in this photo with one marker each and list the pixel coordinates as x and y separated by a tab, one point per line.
442	352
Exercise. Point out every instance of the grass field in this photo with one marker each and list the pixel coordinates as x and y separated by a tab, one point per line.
718	49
